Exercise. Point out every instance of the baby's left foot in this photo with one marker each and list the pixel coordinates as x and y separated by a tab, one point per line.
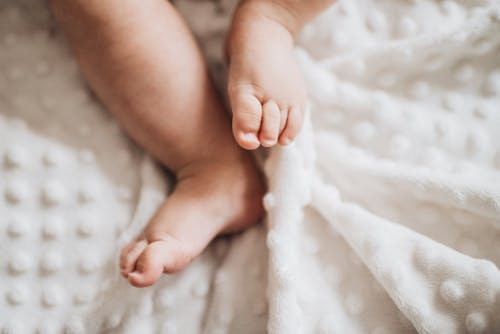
265	86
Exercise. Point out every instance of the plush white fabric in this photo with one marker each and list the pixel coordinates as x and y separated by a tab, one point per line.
383	217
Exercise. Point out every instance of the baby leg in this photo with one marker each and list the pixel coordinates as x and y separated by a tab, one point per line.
143	63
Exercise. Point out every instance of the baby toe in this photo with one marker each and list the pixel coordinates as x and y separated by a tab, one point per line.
247	116
158	257
149	266
283	119
293	125
129	256
271	118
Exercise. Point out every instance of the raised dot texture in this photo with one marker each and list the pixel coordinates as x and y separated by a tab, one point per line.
88	264
492	84
14	327
407	27
340	39
480	113
420	89
16	192
399	145
451	292
17	294
443	127
87	226
452	101
376	21
74	326
48	326
18	227
475	142
19	263
14	157
87	194
425	257
112	321
387	79
52	194
84	295
51	296
269	201
355	66
52	228
51	262
165	299
168	327
433	62
51	158
476	323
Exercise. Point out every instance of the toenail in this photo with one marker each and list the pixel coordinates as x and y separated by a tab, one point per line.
134	273
248	136
268	142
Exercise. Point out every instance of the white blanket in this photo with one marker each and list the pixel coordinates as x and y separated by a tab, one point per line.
383	217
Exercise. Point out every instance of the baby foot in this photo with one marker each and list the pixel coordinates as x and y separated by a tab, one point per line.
265	86
210	198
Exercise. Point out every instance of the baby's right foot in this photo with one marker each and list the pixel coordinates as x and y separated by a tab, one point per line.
265	86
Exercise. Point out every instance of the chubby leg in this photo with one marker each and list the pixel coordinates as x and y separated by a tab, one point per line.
143	63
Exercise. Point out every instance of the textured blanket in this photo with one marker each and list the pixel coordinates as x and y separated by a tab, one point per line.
383	217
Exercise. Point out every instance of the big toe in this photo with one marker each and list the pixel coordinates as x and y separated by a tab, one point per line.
271	121
161	256
129	256
247	117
